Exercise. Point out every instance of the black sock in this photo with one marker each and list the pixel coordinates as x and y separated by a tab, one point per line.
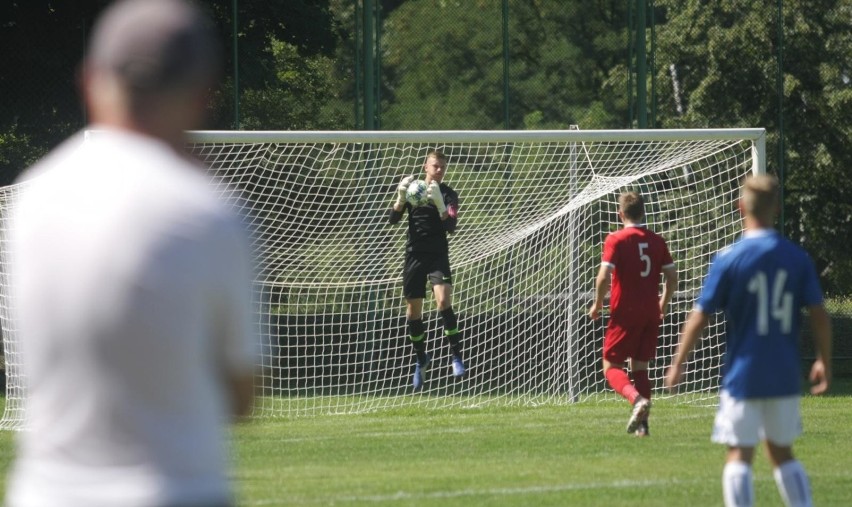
451	332
455	343
417	335
450	320
419	350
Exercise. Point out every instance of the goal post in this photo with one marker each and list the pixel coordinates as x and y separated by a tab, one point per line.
535	207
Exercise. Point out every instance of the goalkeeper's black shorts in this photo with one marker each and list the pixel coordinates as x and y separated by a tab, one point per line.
420	266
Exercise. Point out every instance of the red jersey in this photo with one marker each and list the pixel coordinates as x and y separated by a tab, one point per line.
637	257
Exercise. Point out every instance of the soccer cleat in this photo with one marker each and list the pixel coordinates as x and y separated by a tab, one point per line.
458	367
419	377
640	413
642	430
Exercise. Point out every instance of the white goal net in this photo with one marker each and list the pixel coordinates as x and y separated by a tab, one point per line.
535	207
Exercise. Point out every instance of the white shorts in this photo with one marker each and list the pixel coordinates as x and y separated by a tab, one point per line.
744	423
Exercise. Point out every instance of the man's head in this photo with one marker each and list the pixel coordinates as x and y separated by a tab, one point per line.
435	165
149	65
759	199
631	207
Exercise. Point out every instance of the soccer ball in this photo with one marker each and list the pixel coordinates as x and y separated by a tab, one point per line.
416	194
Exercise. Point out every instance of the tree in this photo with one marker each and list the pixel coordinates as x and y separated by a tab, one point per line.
718	61
42	43
444	64
303	94
282	47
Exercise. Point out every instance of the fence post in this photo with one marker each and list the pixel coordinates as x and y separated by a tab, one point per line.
641	66
779	85
369	66
653	64
236	66
505	10
358	51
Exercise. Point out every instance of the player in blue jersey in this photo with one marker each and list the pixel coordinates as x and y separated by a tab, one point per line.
760	282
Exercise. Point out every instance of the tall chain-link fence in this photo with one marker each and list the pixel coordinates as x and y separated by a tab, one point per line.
501	64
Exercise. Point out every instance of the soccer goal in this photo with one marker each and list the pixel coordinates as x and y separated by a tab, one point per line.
535	208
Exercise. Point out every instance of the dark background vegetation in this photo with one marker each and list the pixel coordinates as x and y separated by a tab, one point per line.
448	64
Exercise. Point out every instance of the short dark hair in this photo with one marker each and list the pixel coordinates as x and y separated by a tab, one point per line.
438	154
632	205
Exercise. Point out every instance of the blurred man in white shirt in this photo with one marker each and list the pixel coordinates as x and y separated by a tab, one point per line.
131	284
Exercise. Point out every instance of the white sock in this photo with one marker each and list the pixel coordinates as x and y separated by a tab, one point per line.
793	484
737	488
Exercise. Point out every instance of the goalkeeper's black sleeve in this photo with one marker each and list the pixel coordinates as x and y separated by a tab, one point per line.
452	203
450	223
394	216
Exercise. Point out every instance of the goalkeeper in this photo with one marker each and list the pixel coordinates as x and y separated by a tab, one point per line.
427	257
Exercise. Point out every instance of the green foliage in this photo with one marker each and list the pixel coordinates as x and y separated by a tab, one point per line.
840	306
17	150
449	74
41	44
302	94
725	60
284	52
290	72
306	25
716	65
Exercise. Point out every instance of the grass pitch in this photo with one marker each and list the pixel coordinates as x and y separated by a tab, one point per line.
578	455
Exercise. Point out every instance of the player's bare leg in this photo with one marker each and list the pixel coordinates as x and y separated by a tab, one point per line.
790	476
737	479
639	370
414	308
444	300
443	295
620	383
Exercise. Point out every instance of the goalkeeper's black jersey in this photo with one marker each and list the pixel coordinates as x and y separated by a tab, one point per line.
426	231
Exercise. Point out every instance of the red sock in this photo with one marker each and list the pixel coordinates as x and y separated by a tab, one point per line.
642	383
620	383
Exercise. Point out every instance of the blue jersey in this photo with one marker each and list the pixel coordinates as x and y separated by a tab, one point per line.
761	282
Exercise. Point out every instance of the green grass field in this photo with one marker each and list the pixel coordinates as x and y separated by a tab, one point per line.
517	456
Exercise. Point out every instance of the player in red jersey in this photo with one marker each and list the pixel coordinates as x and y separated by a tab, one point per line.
635	257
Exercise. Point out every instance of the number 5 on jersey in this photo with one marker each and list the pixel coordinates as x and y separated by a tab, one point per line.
644	258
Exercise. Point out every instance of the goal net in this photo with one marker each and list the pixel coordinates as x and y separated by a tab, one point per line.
535	207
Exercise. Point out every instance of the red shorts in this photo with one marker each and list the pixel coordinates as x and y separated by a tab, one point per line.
634	337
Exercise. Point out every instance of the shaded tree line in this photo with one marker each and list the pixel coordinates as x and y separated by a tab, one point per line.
715	64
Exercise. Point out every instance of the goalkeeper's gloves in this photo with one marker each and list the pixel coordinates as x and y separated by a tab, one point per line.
433	193
402	189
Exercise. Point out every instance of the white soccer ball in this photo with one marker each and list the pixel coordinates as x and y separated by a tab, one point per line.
416	193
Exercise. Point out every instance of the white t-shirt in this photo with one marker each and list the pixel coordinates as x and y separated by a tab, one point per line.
132	296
